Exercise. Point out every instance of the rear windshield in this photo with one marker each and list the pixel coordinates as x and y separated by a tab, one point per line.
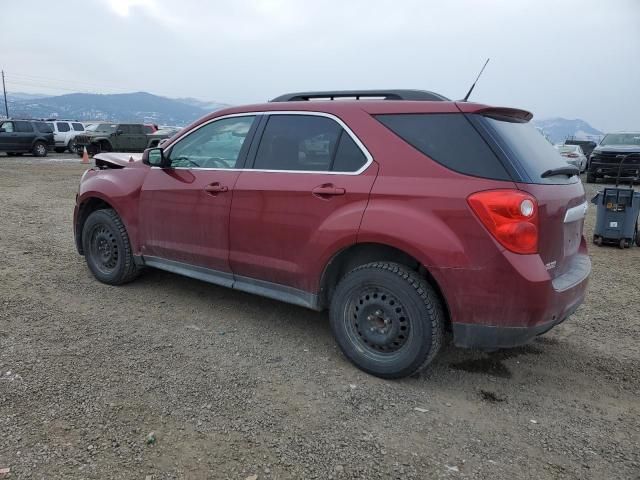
530	153
449	139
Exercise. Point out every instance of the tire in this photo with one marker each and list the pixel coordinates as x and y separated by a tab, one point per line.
39	149
71	146
623	243
387	320
59	150
107	248
636	236
591	178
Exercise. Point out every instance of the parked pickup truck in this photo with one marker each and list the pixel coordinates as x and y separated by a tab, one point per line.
605	159
115	137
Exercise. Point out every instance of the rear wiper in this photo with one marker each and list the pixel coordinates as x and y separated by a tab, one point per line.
569	170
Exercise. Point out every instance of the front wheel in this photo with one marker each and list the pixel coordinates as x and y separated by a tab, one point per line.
387	320
107	249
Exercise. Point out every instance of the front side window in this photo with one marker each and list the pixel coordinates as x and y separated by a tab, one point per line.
63	127
216	145
78	127
298	143
7	127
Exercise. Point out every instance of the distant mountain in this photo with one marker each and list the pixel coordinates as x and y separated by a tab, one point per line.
124	107
210	106
558	129
19	96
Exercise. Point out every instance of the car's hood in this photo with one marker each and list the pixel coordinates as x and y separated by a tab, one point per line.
118	160
617	148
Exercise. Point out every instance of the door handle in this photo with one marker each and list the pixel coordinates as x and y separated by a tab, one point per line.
215	188
328	190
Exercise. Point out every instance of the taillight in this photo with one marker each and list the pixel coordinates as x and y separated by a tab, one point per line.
511	216
572	155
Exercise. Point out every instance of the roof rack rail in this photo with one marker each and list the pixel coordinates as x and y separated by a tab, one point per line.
362	95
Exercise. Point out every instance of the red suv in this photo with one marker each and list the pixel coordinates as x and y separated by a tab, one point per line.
403	213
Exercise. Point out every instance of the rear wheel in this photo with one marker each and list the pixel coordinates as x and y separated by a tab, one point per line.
39	149
636	236
71	146
107	249
387	320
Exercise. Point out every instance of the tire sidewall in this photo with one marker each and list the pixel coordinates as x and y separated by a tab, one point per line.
39	149
97	218
420	339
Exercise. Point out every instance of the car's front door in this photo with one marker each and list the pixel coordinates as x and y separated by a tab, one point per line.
137	138
302	200
8	137
184	209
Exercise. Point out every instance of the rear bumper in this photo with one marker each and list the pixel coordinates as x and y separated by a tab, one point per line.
490	337
512	300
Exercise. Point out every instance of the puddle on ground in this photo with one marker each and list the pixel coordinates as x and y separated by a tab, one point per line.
492	397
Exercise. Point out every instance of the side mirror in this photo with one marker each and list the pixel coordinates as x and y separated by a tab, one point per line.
154	157
119	132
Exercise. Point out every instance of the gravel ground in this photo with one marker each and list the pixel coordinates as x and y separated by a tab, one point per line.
169	377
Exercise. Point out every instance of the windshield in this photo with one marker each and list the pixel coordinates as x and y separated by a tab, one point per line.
621	139
103	127
526	147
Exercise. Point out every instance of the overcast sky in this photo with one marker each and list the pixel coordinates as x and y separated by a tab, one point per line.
568	58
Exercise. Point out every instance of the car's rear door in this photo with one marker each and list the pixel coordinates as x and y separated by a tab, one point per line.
184	209
301	200
25	135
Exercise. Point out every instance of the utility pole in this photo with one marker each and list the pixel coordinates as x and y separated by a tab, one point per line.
4	90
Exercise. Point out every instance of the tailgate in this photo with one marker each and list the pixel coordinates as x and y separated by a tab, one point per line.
561	209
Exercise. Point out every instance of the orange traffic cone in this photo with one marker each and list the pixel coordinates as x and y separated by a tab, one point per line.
85	156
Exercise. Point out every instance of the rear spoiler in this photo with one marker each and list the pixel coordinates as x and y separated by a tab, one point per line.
501	113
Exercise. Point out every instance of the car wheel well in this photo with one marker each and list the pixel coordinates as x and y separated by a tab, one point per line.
87	208
363	253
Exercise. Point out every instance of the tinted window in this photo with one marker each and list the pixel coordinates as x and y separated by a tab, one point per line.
528	149
136	129
8	127
125	129
63	127
216	145
148	129
78	127
44	127
297	142
349	157
450	140
25	127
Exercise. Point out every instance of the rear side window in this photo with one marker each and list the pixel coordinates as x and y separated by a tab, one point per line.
63	127
78	127
43	127
449	139
531	153
349	157
297	142
24	127
308	143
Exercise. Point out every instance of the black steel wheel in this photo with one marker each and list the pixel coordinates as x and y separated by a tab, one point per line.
107	249
387	319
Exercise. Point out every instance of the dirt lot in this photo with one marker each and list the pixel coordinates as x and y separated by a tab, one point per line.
234	385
